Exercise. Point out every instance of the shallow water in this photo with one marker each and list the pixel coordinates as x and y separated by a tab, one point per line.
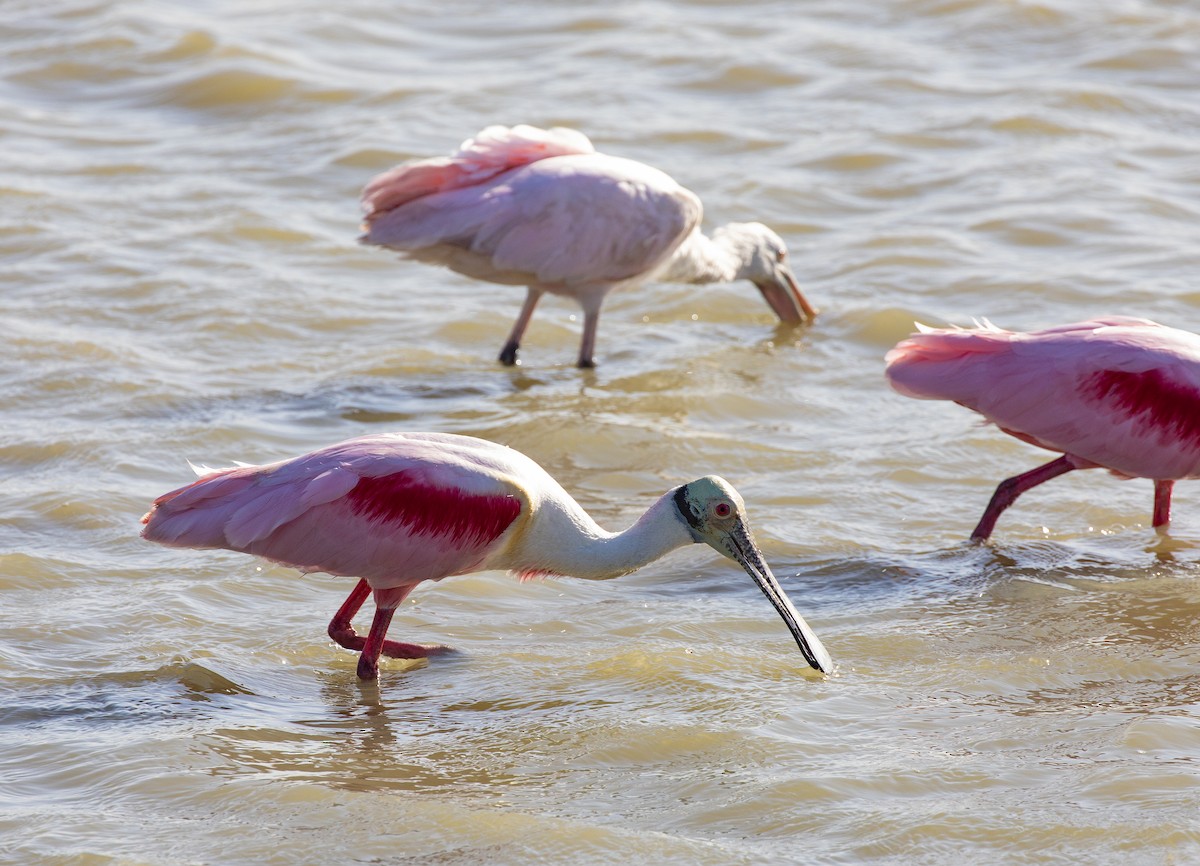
178	208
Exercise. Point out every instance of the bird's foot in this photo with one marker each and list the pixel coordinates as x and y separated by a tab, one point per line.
351	640
397	650
368	668
586	364
508	355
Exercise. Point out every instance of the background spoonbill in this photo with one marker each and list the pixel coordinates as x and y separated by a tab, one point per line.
397	509
1118	393
542	209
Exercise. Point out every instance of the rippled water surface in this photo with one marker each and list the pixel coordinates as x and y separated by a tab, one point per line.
179	279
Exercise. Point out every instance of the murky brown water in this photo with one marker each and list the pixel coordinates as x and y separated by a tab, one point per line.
179	279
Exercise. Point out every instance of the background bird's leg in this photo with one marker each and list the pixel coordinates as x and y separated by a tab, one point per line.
508	355
1162	503
587	343
1010	488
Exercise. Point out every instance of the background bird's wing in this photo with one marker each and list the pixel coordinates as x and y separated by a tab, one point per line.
494	150
563	221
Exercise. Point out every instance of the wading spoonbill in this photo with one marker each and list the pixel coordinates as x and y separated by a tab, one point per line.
541	208
397	509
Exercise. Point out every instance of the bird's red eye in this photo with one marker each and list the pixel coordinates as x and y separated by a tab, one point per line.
722	509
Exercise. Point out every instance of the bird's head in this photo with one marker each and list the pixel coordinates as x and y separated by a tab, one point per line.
764	262
716	515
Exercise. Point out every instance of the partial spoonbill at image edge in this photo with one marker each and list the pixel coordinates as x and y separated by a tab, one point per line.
1117	393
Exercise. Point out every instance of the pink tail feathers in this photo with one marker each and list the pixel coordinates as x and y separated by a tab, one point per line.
939	363
195	515
410	181
494	150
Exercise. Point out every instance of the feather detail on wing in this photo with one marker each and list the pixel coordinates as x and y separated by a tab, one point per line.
386	509
493	151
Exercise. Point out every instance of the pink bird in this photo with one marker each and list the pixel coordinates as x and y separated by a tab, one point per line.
397	509
542	209
1118	393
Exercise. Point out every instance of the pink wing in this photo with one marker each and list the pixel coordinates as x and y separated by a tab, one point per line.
392	509
1118	392
494	150
557	223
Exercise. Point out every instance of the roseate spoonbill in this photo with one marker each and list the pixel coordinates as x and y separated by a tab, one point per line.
397	509
1118	393
541	208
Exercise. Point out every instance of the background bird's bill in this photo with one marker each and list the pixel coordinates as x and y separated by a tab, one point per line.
786	299
747	554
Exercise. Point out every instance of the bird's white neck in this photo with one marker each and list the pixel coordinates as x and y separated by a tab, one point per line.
565	540
701	259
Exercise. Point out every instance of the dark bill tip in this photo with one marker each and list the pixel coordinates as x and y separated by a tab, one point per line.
806	639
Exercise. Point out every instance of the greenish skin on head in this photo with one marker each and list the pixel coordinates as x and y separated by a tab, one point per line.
716	515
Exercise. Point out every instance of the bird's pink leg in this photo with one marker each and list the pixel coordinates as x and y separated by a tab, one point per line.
386	602
368	662
508	355
587	344
1162	503
340	628
1010	488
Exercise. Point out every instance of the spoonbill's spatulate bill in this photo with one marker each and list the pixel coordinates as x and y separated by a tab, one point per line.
397	509
542	209
1118	393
